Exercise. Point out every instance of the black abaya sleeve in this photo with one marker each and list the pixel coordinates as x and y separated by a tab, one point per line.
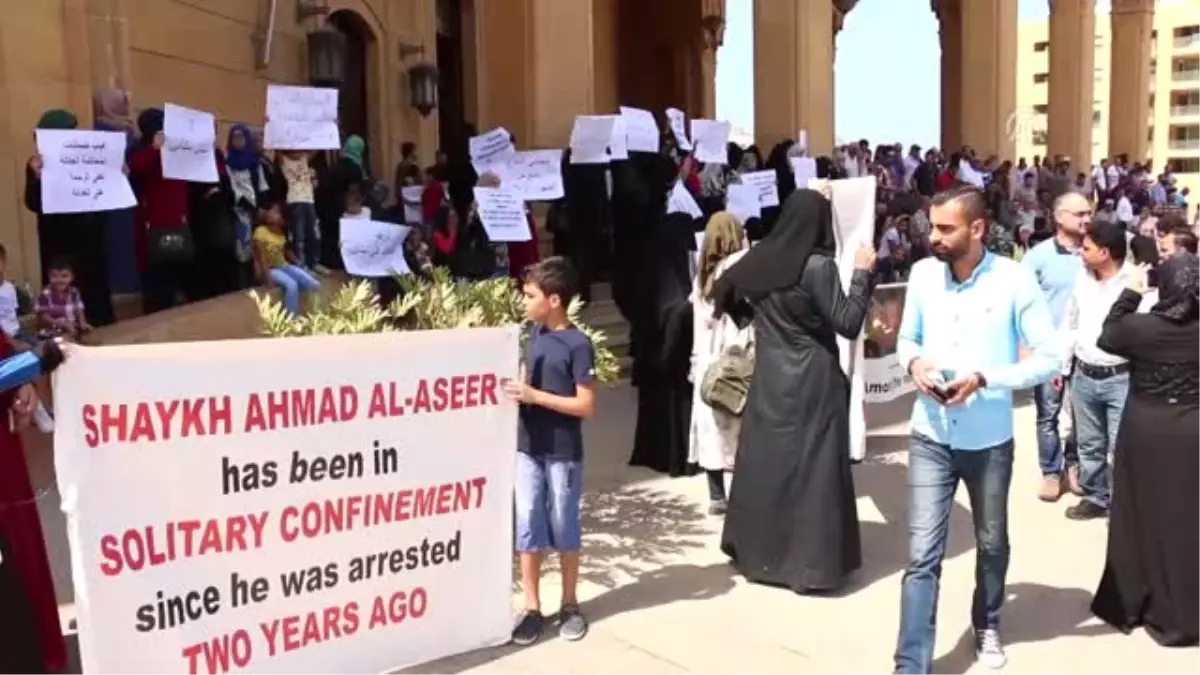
33	191
1117	336
845	312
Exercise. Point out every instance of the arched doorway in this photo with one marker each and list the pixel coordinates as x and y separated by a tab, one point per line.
353	104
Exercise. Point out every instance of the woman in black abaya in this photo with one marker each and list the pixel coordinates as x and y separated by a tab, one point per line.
792	519
785	182
1151	575
586	193
664	348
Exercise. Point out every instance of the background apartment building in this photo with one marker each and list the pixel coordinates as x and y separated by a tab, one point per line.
1172	104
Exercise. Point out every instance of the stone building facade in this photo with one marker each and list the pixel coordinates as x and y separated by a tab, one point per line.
529	65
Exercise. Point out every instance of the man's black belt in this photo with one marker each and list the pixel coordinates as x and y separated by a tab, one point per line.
1101	372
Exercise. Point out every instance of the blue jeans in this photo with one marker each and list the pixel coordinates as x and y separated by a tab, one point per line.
934	471
547	493
305	235
1051	445
293	280
1098	405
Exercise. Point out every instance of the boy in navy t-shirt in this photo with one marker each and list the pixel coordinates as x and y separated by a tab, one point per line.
556	395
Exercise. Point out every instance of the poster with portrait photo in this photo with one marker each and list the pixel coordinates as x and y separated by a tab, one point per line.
883	376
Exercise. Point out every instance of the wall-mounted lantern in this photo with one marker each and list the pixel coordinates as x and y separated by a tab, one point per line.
422	80
306	9
326	57
423	87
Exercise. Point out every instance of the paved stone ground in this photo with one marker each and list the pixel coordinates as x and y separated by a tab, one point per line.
662	600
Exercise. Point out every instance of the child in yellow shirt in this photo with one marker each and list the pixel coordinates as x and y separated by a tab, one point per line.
276	264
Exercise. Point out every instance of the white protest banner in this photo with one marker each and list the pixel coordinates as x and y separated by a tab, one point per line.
678	122
83	171
804	169
188	153
410	196
853	225
489	149
502	213
536	175
884	379
681	201
299	505
641	130
590	138
618	145
712	141
374	249
766	182
742	201
301	118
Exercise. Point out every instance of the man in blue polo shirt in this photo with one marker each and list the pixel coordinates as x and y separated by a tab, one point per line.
966	314
1056	265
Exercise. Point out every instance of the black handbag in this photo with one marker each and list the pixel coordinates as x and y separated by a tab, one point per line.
170	245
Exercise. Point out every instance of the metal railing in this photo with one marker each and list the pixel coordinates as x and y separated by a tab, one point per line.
1184	144
1190	110
1186	41
1192	75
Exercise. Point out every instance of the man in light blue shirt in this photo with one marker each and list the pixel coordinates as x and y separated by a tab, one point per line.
1056	265
966	314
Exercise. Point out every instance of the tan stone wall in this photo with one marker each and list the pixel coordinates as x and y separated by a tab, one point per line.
199	54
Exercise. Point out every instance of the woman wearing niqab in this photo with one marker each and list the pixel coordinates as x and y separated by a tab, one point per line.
1152	569
585	189
792	520
777	161
662	353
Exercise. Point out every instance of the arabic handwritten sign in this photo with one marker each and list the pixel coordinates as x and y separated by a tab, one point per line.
766	183
536	175
742	201
490	149
502	213
641	130
676	119
190	138
82	171
373	249
712	141
590	138
301	118
681	201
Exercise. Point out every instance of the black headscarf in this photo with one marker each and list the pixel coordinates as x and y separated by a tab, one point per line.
805	227
1178	289
150	122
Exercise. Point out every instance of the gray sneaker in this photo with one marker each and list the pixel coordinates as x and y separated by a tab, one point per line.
989	649
571	624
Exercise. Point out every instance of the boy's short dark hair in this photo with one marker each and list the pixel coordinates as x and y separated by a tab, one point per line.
3	252
1185	239
1109	236
60	264
407	148
554	276
1170	222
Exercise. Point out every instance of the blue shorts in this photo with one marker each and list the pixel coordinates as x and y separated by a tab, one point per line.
547	495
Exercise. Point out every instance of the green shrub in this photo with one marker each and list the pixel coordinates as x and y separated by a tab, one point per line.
440	302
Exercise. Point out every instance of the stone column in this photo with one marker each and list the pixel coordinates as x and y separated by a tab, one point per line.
950	37
534	68
1072	62
793	72
989	86
1132	24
